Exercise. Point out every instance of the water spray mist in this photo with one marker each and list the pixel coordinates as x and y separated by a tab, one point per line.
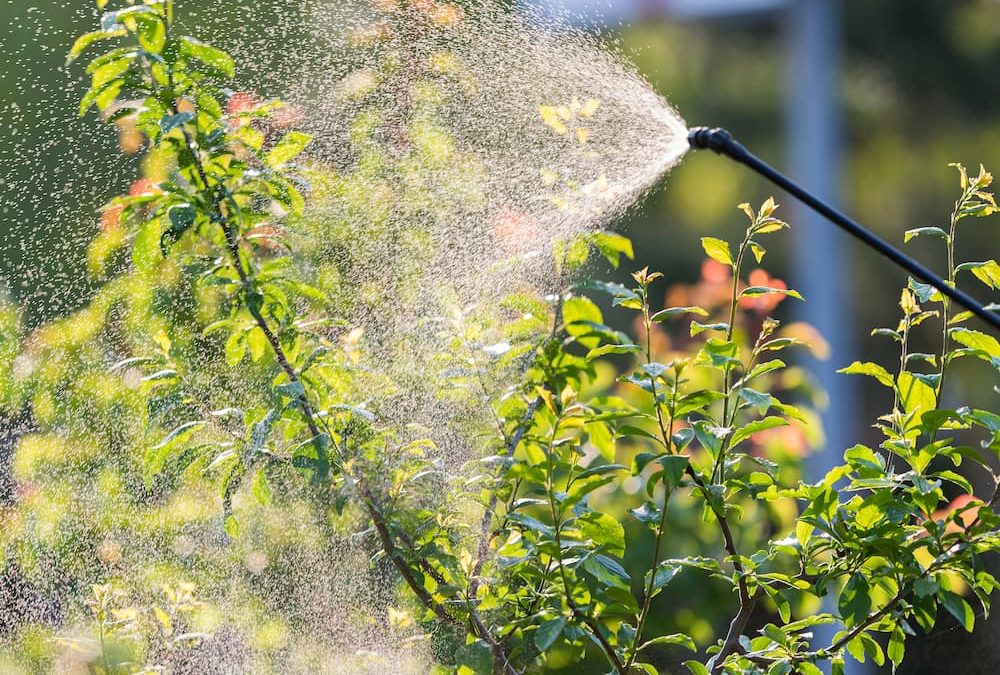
723	143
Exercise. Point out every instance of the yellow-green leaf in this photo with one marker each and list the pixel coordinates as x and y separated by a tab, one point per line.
976	340
146	253
88	39
870	369
214	58
717	250
288	148
261	488
915	395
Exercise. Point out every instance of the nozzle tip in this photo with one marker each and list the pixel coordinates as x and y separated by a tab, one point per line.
698	137
718	140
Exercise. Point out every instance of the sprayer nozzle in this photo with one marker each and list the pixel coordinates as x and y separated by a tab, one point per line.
698	137
718	140
702	138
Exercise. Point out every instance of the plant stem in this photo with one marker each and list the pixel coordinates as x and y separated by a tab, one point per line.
401	565
104	650
665	434
719	467
609	651
647	599
485	526
736	628
945	300
747	602
230	230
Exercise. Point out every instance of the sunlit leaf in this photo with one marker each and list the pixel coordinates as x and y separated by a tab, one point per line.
717	250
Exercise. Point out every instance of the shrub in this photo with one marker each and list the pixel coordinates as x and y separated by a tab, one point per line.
592	497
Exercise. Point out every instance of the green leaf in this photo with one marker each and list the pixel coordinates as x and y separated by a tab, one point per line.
925	587
179	434
256	343
745	432
973	339
291	390
696	667
146	251
915	395
958	608
864	460
675	639
664	575
872	648
231	526
599	470
717	250
671	312
647	668
288	148
759	400
855	600
925	232
647	513
109	71
601	438
101	96
131	361
152	34
474	658
612	289
548	632
764	368
674	467
236	347
988	272
531	524
604	530
778	344
171	122
214	58
755	291
612	246
88	39
260	433
697	328
608	571
112	20
955	478
261	488
924	292
181	217
856	648
643	459
897	647
628	430
612	349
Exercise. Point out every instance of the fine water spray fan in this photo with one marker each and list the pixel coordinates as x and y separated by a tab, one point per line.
723	143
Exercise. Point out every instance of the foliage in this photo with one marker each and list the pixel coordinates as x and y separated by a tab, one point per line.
523	564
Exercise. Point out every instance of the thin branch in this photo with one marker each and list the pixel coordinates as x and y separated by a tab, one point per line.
392	552
731	642
747	602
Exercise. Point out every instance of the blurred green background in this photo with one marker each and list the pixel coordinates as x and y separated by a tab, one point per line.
917	89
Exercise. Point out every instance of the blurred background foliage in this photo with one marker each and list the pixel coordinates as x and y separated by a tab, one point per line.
918	90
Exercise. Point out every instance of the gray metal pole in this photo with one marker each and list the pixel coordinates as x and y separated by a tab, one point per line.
820	268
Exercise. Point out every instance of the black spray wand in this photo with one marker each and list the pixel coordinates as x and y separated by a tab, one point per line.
722	142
